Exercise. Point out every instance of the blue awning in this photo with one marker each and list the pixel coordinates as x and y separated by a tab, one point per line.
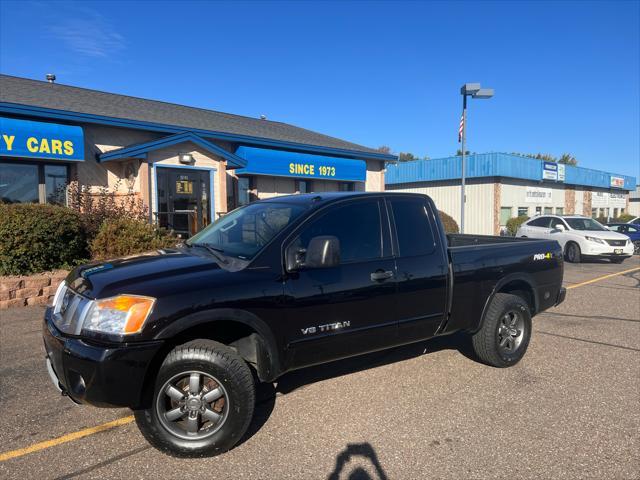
262	161
41	140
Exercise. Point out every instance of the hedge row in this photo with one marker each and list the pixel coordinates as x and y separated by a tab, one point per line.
36	238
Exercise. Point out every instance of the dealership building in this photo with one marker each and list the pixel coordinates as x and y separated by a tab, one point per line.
188	165
500	186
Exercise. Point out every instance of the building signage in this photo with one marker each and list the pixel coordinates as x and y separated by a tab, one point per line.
549	171
538	195
606	199
617	182
561	172
262	161
50	141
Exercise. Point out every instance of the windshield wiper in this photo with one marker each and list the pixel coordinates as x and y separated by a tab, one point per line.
215	251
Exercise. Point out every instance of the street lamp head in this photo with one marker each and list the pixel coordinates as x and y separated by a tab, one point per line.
483	93
469	88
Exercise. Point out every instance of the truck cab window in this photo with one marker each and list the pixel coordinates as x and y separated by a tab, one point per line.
356	225
413	228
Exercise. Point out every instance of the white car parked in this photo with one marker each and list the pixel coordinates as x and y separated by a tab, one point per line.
580	237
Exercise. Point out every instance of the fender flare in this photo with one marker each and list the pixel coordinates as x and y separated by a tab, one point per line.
266	348
513	277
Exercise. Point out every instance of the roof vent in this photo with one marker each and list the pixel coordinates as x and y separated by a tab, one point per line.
51	78
263	117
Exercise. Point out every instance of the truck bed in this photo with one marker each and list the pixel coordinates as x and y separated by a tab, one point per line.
464	240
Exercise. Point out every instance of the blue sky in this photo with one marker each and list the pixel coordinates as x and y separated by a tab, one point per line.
566	74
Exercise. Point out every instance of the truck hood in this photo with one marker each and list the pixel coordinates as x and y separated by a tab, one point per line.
146	273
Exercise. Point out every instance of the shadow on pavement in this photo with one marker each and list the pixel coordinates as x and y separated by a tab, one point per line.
364	454
109	461
299	378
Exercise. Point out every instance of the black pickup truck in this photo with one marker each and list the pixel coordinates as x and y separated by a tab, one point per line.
181	335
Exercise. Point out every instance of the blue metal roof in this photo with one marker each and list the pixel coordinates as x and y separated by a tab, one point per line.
498	165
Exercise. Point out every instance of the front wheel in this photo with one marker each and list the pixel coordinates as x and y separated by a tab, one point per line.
203	401
636	247
573	253
505	333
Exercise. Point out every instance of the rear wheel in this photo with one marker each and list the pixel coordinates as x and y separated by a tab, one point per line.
573	253
203	401
506	330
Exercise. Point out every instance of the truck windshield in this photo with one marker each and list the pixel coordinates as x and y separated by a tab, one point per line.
244	232
584	224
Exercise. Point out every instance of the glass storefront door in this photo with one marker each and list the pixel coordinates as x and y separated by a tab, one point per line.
184	203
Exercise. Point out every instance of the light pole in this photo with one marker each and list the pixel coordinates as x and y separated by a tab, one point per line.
468	90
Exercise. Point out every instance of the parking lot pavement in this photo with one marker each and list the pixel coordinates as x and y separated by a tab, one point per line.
570	409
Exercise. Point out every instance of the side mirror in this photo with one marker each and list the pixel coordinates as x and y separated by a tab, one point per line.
322	252
559	228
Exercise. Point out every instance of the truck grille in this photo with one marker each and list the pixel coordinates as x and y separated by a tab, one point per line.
617	243
70	310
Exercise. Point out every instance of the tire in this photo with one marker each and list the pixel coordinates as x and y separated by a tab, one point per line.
219	424
507	315
572	253
636	247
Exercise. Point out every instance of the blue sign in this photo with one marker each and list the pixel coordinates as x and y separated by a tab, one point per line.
262	161
51	141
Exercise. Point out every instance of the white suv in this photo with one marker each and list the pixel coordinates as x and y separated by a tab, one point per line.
579	237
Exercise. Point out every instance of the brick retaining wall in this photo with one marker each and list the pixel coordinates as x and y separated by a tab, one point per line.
29	290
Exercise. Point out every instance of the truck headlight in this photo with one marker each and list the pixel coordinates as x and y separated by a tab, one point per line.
120	315
594	239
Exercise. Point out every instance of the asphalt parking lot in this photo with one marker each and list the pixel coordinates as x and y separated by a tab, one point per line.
570	409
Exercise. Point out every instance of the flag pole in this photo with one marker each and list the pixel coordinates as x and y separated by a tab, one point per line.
464	134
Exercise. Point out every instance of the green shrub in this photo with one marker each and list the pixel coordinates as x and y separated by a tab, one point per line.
624	217
97	206
514	223
36	238
124	236
450	225
602	219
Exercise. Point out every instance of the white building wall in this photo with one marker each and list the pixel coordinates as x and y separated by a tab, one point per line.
514	194
479	215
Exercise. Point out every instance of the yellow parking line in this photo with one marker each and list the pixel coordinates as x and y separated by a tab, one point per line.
597	279
65	438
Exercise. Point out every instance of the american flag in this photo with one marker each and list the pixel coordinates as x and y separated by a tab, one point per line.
461	128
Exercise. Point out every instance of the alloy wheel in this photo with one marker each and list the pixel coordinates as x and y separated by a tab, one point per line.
192	405
510	332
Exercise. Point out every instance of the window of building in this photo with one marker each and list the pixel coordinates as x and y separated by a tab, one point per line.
615	213
411	217
244	191
357	226
523	211
559	210
594	213
33	183
345	187
538	210
548	210
505	215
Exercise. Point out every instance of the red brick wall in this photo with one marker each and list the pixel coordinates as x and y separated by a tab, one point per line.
29	290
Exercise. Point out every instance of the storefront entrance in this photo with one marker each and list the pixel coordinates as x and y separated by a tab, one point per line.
184	199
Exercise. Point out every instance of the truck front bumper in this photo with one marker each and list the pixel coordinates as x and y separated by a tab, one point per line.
100	375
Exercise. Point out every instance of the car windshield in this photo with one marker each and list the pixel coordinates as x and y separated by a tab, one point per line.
243	232
585	224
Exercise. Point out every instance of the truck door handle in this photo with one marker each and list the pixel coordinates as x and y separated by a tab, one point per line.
381	275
